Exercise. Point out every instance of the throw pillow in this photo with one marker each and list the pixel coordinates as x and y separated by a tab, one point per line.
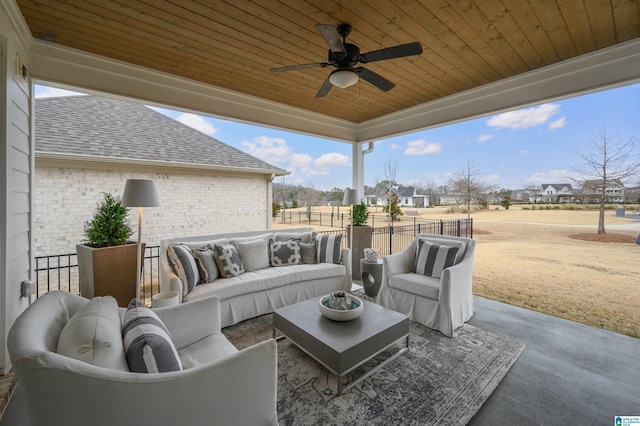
432	259
206	264
94	335
328	248
184	265
228	260
147	343
254	254
285	252
308	253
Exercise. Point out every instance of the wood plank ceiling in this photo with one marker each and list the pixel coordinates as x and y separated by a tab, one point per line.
233	44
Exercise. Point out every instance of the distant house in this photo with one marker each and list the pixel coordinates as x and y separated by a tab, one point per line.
87	145
407	197
555	193
592	191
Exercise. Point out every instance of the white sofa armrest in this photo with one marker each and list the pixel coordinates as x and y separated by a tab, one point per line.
189	323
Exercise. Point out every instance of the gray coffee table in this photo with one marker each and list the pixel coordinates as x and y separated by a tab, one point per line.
341	347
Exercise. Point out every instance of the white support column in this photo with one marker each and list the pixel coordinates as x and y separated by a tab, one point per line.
357	179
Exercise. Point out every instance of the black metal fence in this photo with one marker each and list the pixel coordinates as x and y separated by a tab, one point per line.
60	271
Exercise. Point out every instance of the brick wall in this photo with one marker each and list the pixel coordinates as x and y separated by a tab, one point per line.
64	198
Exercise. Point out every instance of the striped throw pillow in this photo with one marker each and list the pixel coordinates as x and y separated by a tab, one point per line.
147	343
328	248
184	265
432	259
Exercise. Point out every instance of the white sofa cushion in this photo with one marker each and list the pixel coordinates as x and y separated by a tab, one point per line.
266	279
147	343
211	348
253	253
417	284
432	259
304	237
94	335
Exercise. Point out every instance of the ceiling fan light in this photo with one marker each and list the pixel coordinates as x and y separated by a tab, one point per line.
343	78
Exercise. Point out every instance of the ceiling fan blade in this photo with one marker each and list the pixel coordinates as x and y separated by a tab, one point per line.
376	79
331	36
299	67
324	89
400	51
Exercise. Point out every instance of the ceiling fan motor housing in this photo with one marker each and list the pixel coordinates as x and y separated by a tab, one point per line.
345	61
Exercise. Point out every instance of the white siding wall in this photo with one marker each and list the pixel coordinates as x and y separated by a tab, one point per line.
189	204
15	177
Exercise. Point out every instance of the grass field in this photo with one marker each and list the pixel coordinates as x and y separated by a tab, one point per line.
540	260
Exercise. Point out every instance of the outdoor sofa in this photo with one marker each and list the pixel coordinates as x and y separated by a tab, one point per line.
73	366
262	287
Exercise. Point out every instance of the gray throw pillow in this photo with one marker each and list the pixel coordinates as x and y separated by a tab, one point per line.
432	259
328	248
147	343
206	264
285	253
228	260
254	253
308	253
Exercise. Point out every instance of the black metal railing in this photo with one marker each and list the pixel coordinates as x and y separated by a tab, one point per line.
60	271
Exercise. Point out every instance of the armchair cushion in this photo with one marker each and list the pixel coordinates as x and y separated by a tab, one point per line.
147	343
94	335
417	284
432	259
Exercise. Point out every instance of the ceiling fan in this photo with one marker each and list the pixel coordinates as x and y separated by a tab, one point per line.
345	56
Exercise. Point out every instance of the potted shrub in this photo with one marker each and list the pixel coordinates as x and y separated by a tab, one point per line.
107	259
362	236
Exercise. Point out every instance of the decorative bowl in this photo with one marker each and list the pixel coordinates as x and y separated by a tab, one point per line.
340	314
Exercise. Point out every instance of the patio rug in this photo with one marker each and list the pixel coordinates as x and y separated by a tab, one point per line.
440	381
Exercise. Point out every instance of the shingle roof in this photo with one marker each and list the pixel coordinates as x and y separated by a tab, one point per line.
104	127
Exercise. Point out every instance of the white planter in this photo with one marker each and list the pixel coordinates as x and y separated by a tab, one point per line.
165	298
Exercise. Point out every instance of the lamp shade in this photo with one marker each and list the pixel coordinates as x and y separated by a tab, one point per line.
140	193
350	196
343	78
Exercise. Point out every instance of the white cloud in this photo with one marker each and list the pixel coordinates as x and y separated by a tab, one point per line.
52	92
301	160
524	152
524	118
332	159
552	176
558	124
492	178
271	150
422	147
197	122
484	138
394	146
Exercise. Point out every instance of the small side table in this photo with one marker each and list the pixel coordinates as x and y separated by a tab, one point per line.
371	277
163	299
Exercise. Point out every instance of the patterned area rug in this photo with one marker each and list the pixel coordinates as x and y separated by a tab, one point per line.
440	381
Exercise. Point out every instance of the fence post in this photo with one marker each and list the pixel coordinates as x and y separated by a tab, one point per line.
458	226
441	227
391	239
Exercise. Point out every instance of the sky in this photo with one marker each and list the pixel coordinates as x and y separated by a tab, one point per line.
511	150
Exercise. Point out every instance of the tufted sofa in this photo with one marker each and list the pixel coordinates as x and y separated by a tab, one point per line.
262	288
92	384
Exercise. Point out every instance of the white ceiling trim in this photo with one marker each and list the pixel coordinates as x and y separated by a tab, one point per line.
52	63
605	68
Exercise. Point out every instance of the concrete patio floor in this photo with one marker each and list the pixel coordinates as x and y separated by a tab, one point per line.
569	374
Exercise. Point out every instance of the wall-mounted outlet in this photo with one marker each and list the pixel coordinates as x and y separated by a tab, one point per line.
27	288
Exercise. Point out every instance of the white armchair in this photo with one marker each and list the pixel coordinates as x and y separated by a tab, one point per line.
443	303
219	384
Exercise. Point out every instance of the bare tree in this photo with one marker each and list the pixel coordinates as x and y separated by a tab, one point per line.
466	187
607	160
390	170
